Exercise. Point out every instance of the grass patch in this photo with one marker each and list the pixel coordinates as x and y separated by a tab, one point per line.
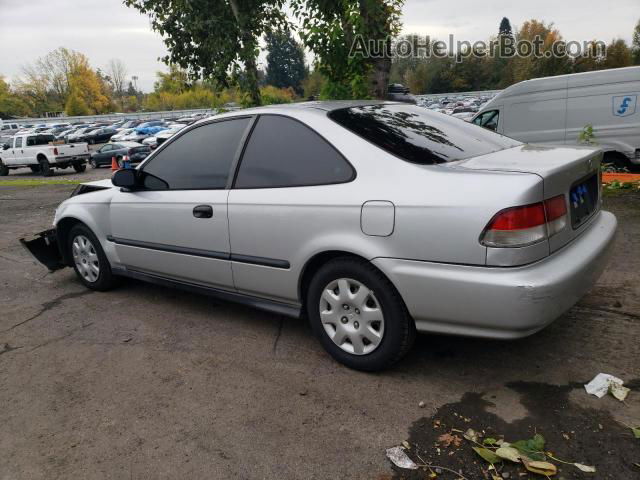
30	182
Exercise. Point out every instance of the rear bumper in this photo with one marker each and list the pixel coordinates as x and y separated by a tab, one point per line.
502	302
44	248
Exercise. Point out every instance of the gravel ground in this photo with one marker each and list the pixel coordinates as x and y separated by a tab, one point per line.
147	382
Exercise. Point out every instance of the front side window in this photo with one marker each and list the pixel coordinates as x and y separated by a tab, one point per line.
488	120
198	160
18	142
283	152
417	135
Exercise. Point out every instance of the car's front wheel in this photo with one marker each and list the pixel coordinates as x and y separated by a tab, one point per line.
89	260
358	315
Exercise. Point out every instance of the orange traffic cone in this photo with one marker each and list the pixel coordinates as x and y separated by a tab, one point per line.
114	164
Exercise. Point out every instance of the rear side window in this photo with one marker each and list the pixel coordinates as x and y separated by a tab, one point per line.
283	152
418	135
201	158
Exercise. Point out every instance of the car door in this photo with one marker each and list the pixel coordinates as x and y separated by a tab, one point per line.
176	226
287	195
17	152
103	155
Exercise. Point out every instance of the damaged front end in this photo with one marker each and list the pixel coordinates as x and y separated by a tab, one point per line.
44	248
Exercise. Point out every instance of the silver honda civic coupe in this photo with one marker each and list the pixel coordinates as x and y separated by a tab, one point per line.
374	220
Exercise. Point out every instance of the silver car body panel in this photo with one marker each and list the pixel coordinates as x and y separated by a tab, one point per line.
420	225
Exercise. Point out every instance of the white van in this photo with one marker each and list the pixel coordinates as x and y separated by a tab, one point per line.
555	110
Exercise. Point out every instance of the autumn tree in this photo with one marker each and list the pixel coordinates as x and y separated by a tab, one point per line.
11	104
618	54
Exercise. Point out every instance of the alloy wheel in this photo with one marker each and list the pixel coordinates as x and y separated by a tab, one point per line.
86	258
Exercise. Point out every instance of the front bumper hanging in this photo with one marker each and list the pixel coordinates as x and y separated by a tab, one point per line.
44	248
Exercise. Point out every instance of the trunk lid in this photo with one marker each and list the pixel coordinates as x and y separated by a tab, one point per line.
570	171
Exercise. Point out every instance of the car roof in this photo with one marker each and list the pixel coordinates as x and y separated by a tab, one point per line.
129	144
320	107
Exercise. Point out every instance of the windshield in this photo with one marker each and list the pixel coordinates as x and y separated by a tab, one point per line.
418	135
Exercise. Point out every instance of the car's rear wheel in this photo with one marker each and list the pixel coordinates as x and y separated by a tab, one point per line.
45	168
358	315
89	260
93	163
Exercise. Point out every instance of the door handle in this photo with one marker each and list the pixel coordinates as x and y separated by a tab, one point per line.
203	211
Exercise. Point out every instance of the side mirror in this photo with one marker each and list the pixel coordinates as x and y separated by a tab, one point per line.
6	146
126	178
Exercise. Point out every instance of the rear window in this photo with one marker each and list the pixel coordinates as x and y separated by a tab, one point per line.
418	135
39	140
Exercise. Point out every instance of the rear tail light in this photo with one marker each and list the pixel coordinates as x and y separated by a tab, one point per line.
55	151
526	225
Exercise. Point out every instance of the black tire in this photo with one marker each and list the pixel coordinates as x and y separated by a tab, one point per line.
4	170
35	168
93	163
399	328
619	161
79	167
45	168
105	279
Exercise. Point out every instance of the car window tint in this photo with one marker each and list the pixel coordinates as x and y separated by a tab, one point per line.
417	135
283	152
201	158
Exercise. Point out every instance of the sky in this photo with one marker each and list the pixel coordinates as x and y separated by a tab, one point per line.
106	29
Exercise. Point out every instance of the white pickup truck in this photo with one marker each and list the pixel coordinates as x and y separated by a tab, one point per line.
36	151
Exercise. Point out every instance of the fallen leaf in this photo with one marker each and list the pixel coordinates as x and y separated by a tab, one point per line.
585	468
489	441
487	454
636	432
406	445
618	391
509	453
536	466
471	435
532	448
447	439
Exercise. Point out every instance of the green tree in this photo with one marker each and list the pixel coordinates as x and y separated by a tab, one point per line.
332	28
505	28
285	61
214	38
635	45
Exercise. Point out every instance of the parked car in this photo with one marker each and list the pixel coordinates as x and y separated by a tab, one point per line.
374	219
77	135
118	150
163	136
8	128
555	110
34	150
122	134
98	135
